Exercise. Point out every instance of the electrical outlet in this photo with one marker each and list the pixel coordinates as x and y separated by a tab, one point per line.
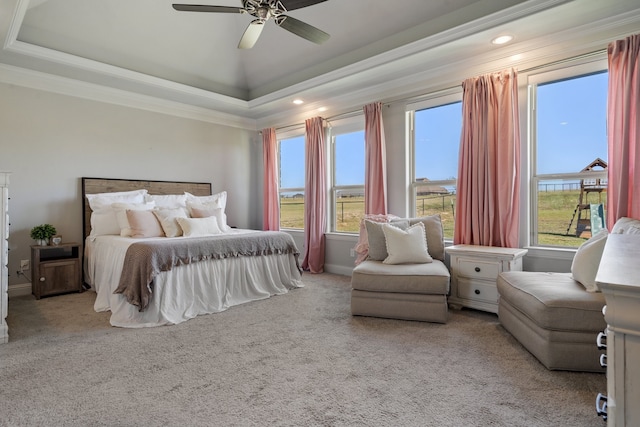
24	264
352	252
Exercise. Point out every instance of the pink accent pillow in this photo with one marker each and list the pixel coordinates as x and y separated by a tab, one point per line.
144	224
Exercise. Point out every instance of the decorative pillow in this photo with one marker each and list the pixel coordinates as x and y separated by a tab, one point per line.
626	225
143	223
120	210
104	222
102	200
167	200
204	211
435	234
587	260
376	239
192	227
406	246
168	220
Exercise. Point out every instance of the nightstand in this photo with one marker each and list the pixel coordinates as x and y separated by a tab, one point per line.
474	270
55	269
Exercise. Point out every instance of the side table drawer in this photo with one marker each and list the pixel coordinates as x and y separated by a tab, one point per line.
480	269
477	290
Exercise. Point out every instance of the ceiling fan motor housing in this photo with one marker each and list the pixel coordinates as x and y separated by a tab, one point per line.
265	9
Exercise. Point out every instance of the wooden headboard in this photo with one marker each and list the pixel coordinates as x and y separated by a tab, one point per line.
108	185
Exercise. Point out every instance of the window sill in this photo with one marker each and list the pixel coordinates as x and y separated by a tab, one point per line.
551	253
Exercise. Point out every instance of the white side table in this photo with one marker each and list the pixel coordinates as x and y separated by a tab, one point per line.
474	270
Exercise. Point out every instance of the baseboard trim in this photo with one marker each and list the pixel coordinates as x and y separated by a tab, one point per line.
338	269
21	289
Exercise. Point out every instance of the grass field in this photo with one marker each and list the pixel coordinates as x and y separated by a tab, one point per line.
555	210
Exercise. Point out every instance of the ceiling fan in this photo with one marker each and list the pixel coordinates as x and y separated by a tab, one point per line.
263	10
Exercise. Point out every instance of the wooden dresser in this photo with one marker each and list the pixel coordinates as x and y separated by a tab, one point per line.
56	269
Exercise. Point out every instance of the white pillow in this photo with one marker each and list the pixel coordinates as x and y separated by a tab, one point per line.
192	227
120	210
143	223
103	217
102	200
168	220
104	222
406	246
587	260
207	210
218	199
626	225
167	200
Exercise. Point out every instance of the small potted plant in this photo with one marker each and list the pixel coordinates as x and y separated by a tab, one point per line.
42	233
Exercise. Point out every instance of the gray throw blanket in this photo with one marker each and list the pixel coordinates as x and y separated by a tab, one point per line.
144	260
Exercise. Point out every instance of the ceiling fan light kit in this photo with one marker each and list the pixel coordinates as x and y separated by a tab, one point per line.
263	10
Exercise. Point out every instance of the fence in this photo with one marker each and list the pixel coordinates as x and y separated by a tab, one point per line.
564	186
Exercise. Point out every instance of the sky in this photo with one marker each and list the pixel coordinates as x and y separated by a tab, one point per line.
571	132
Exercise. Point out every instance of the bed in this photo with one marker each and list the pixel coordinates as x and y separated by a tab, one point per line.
148	276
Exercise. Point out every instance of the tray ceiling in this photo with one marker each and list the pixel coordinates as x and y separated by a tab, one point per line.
147	47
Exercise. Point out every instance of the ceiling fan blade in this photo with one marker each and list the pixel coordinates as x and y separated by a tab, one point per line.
303	30
251	34
206	8
299	4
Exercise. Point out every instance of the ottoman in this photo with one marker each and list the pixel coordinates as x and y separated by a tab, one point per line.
553	317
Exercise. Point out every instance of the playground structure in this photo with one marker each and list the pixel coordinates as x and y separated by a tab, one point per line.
590	215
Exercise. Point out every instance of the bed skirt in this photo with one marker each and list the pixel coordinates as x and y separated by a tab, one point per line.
204	287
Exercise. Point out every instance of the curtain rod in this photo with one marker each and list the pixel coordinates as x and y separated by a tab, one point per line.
327	119
418	98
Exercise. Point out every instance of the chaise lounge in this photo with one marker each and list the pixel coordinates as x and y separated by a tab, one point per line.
558	316
553	317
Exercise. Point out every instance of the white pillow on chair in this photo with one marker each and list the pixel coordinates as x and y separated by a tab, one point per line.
406	246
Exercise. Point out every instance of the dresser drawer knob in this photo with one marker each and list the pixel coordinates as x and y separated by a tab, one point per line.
601	341
601	405
477	291
477	269
42	279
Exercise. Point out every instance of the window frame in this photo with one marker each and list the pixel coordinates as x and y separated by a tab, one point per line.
291	134
576	69
434	100
343	126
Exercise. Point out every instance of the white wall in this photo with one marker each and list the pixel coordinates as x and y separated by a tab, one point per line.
49	141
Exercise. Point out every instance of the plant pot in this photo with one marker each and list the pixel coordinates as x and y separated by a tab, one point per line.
42	242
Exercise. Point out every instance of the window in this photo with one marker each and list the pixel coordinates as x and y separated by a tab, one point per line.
436	143
348	181
569	137
292	182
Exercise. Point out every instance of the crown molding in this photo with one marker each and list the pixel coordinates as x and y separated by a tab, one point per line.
70	87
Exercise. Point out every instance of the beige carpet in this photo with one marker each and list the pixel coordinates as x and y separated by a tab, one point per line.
299	359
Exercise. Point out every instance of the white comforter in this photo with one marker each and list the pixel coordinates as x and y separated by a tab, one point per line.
186	291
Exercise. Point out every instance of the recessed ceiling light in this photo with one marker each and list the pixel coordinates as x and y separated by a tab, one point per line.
322	109
502	39
298	101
